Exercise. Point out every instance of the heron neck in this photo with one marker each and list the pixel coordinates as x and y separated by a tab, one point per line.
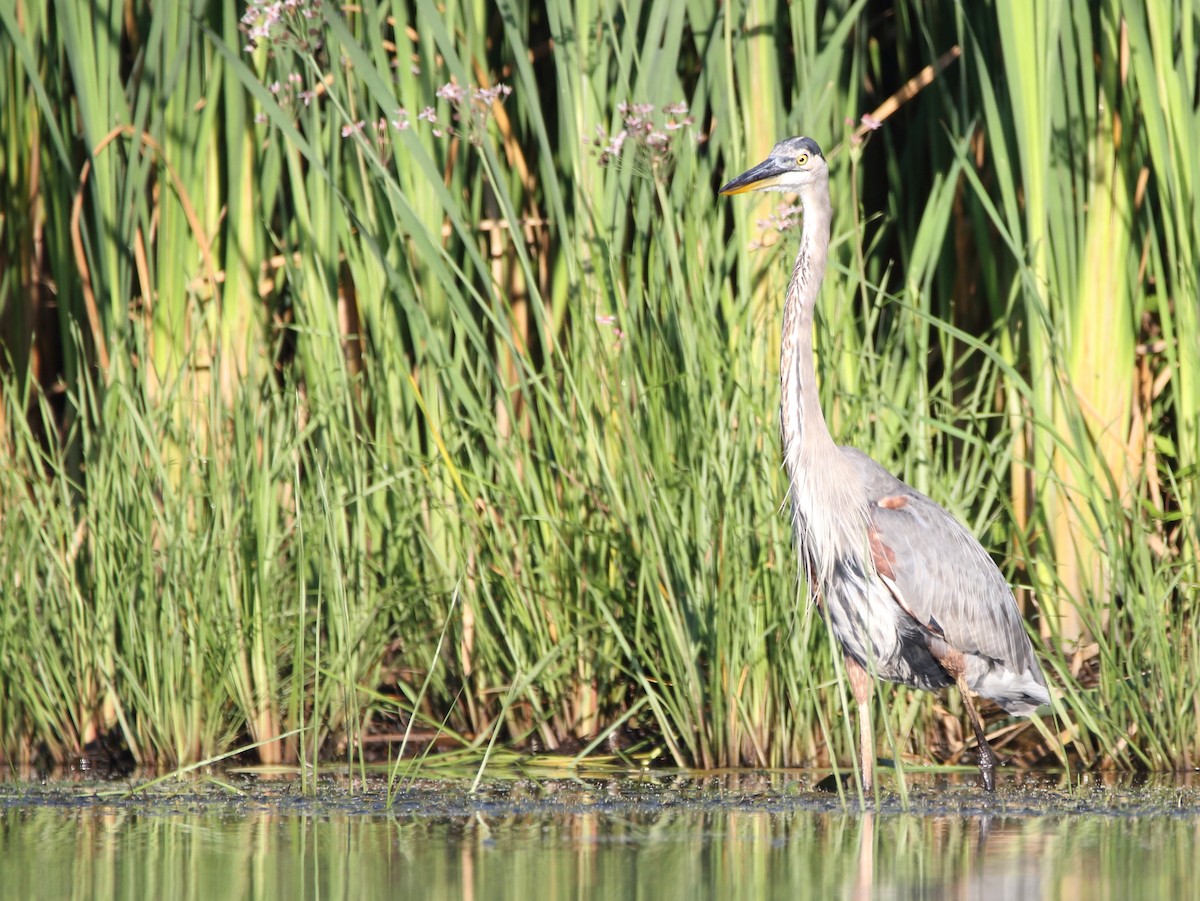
803	424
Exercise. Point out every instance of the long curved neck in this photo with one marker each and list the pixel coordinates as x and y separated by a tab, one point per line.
802	422
828	499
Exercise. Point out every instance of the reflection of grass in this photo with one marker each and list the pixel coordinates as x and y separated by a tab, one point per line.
674	838
472	440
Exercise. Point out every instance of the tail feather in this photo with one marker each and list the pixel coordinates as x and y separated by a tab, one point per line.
1019	693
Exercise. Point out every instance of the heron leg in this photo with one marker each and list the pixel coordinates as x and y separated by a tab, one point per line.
987	757
954	663
860	684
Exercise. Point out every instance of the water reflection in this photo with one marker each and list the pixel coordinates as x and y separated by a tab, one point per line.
595	842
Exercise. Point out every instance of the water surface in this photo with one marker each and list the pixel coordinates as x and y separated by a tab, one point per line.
662	836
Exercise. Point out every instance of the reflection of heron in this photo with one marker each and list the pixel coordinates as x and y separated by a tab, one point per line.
909	593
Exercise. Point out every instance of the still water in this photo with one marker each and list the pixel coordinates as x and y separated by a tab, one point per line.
666	837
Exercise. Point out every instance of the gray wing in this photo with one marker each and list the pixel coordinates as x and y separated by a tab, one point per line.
942	576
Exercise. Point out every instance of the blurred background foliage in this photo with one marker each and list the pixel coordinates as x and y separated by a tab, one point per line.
391	371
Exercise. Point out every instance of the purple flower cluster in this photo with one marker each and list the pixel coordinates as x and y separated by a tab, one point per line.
869	124
646	127
294	24
611	322
785	217
279	22
470	108
287	93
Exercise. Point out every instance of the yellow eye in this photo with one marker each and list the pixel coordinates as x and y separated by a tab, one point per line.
802	159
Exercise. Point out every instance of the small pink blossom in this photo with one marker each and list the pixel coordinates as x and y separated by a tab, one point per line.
489	95
611	322
786	216
636	110
451	92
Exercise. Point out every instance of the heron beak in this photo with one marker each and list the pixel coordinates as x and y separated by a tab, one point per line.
762	176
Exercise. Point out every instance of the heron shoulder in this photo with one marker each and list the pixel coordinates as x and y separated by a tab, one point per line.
876	480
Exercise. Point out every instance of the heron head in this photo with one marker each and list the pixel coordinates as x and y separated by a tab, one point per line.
792	164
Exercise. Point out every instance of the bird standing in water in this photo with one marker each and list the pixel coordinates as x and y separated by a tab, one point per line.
912	597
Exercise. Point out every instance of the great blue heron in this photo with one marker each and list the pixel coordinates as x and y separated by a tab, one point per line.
910	594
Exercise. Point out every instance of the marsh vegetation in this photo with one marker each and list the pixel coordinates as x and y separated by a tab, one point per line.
388	375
